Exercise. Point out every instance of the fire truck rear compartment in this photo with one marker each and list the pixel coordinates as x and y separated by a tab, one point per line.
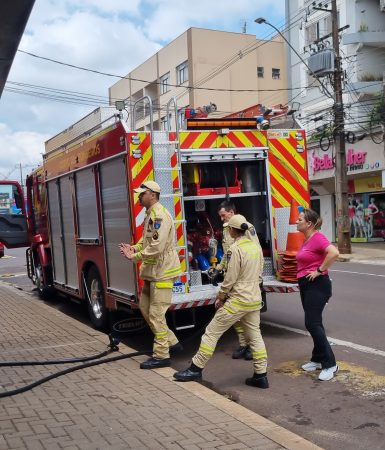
205	186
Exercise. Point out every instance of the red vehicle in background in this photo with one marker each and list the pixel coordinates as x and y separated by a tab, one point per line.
1	250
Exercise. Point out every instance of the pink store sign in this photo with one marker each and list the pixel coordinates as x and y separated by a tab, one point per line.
354	161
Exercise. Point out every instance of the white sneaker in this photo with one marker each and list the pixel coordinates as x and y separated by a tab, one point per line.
328	374
311	366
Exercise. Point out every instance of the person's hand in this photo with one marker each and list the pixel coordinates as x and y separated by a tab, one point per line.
126	250
219	303
313	275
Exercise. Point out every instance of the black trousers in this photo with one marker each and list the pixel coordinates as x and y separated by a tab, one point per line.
314	296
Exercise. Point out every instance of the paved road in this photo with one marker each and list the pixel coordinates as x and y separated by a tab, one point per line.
345	413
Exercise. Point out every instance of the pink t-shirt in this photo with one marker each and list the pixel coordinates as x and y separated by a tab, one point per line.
312	254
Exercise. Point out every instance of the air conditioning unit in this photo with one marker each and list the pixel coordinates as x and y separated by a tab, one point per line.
322	63
382	5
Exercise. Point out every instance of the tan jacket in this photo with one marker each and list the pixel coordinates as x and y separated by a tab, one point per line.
241	283
156	249
227	241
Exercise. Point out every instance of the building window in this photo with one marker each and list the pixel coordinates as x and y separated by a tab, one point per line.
165	83
276	74
260	72
182	73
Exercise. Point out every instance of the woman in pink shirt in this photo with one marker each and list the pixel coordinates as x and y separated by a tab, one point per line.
314	258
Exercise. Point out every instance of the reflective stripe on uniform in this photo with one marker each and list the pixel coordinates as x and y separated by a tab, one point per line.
151	261
239	329
260	355
160	335
206	349
245	305
227	308
164	284
173	271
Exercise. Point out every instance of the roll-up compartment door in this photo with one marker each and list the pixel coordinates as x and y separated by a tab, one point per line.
57	250
88	227
69	233
116	224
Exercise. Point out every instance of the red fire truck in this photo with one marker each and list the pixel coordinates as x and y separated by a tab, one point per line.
81	204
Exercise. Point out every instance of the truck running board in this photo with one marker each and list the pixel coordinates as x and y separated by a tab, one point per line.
184	320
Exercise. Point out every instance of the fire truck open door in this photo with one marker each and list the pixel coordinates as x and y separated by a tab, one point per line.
13	222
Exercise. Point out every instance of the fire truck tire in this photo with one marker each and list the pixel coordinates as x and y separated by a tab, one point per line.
95	300
1	253
45	292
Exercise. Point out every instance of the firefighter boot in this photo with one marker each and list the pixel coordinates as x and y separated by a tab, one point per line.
191	374
155	363
240	352
248	354
258	380
176	348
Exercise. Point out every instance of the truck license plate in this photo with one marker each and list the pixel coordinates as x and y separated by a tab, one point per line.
179	288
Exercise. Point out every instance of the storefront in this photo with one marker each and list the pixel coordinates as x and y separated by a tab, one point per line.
365	162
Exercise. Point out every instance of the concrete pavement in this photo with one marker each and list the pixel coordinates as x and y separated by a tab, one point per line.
114	405
366	253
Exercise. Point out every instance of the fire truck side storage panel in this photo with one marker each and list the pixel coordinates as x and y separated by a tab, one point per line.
68	233
88	228
57	250
116	224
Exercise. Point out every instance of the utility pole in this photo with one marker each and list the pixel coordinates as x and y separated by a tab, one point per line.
341	179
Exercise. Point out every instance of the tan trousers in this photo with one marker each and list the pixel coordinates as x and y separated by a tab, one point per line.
154	303
243	341
220	323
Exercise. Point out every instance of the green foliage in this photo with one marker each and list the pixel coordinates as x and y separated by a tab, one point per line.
366	76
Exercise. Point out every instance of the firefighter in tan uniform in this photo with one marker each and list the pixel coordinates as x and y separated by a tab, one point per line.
239	299
160	266
226	210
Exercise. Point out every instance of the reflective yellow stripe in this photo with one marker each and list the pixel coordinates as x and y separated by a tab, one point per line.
164	284
206	349
172	271
259	355
239	330
161	334
245	305
229	309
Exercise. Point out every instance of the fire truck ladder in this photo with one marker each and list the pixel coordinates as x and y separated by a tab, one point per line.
167	171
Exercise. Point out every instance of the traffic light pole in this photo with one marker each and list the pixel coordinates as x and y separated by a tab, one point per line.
341	179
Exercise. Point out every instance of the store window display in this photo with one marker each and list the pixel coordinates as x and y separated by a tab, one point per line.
367	216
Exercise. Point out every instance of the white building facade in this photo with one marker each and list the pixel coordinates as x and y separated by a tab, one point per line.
362	52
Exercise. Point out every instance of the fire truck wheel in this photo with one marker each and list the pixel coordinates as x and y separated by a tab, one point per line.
95	299
45	292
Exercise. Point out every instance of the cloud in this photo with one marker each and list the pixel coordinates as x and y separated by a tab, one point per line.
23	147
170	18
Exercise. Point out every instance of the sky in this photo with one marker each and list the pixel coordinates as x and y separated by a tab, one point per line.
111	36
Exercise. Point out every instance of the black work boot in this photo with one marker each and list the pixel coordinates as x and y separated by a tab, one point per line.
248	354
176	348
258	380
239	353
191	374
155	363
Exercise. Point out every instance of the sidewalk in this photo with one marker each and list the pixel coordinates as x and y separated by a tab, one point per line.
366	253
114	405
